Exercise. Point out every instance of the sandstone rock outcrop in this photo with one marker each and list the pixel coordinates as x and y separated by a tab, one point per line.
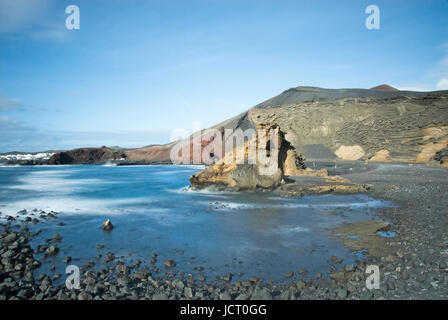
236	171
284	161
235	176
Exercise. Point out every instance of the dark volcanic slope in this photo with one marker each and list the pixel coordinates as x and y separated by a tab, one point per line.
302	94
86	155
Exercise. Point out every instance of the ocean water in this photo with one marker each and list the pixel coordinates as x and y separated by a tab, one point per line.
153	211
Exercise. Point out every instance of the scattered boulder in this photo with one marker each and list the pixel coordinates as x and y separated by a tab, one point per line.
350	268
261	294
159	296
84	296
342	293
107	226
67	260
225	296
242	296
9	238
301	284
227	277
188	292
169	264
337	275
109	257
303	271
122	269
52	250
142	273
335	259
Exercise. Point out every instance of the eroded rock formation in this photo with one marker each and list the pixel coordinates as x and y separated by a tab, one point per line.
236	171
284	160
235	176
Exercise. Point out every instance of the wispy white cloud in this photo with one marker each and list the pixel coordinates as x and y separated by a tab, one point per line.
8	104
441	71
32	19
8	124
19	14
415	88
442	84
444	62
19	135
17	104
56	32
16	135
438	75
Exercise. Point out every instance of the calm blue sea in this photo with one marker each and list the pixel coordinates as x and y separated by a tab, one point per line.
153	211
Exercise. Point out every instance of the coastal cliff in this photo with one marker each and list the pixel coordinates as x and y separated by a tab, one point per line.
378	124
86	156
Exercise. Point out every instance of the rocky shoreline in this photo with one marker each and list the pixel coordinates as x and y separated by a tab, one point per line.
138	281
413	264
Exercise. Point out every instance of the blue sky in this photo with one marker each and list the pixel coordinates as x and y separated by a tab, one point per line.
136	70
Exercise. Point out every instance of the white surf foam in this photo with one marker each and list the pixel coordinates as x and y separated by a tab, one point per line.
226	205
109	164
204	191
76	205
290	229
55	182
